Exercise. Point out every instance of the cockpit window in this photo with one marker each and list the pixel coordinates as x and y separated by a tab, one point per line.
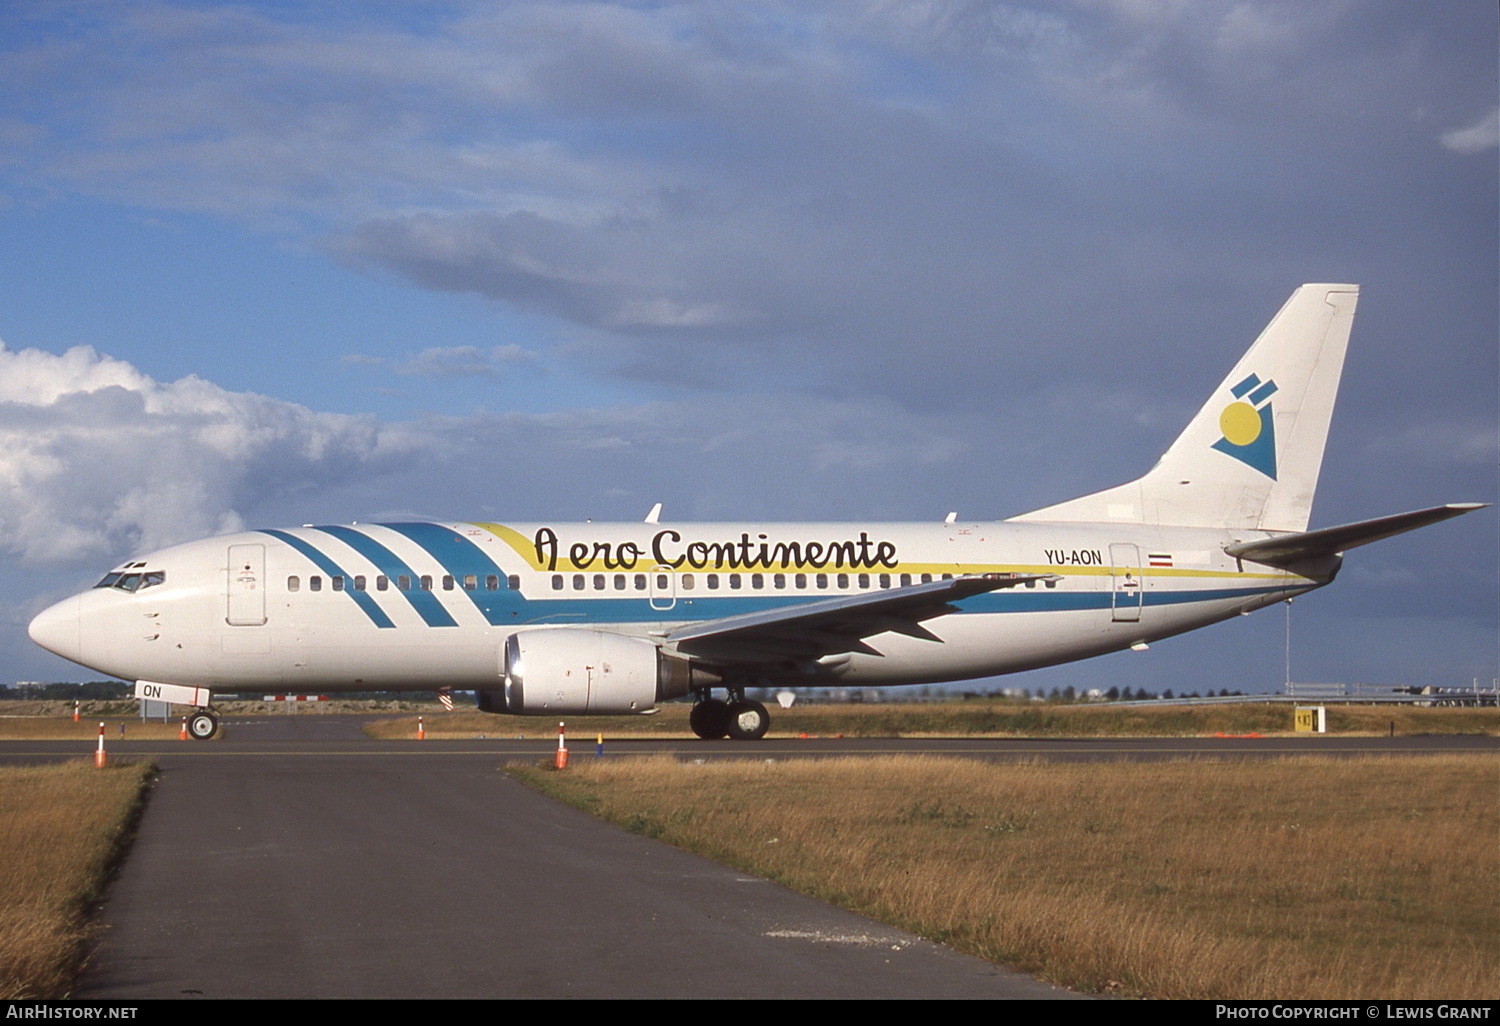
133	580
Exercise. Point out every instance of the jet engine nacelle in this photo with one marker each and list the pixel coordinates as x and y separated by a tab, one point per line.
576	670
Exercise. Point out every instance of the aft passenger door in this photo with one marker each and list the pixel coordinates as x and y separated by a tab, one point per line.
1127	585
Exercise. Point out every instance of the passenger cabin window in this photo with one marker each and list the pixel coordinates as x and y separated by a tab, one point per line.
382	582
471	582
293	584
620	582
404	582
557	582
447	582
315	583
713	582
337	580
426	582
687	582
599	582
514	582
491	583
359	582
640	582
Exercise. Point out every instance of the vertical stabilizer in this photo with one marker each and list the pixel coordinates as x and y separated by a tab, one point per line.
1250	458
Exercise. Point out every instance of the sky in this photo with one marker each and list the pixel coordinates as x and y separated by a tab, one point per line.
282	263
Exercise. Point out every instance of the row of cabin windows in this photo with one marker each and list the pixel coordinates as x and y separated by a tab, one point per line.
404	582
736	582
621	582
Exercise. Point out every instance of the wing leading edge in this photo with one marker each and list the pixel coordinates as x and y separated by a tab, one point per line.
835	626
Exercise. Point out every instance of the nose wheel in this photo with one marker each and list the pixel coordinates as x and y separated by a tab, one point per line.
203	724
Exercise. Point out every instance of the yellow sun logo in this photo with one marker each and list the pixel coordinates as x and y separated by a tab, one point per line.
1240	423
1248	427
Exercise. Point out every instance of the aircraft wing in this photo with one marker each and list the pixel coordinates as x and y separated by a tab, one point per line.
1295	548
836	625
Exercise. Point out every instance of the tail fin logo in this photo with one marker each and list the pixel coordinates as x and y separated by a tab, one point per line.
1248	427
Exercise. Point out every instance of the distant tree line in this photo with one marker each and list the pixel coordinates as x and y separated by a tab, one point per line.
93	691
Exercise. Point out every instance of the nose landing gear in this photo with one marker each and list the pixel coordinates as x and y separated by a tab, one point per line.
203	724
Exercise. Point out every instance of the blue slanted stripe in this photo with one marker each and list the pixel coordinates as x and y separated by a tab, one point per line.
332	569
460	557
427	605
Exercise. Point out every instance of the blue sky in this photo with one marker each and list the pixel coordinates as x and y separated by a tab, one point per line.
866	261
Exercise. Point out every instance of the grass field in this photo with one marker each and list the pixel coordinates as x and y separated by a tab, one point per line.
1300	878
975	719
61	830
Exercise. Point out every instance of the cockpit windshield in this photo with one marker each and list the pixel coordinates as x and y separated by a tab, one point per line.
132	580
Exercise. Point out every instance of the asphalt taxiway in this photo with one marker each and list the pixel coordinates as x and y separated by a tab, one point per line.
295	858
326	873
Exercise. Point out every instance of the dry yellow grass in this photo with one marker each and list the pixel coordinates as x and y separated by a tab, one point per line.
60	829
1299	878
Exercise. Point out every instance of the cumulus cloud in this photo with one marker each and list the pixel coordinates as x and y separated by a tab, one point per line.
97	459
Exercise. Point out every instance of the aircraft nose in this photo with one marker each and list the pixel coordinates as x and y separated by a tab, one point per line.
56	628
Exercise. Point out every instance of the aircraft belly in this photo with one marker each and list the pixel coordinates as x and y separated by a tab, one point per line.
416	660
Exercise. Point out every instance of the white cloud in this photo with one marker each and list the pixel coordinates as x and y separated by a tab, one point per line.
1482	135
97	459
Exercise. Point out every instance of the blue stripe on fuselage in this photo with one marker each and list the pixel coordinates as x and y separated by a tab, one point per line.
461	558
332	569
392	566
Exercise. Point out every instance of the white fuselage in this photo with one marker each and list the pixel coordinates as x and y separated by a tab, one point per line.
424	605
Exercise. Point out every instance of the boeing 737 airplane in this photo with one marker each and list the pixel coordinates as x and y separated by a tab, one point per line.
549	619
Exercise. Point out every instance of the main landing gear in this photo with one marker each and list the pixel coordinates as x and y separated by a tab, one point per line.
739	718
203	724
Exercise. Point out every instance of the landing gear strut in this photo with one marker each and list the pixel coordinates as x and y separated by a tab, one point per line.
739	718
203	724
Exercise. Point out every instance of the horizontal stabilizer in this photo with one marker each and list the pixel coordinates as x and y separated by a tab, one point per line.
1295	548
835	625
